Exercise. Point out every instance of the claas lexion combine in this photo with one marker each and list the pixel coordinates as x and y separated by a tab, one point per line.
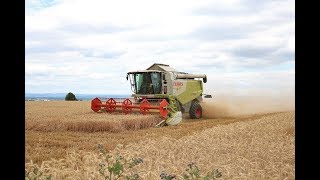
159	89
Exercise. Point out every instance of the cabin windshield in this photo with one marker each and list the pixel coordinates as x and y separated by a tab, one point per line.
147	83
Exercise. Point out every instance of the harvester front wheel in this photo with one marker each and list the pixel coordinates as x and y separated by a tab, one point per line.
195	110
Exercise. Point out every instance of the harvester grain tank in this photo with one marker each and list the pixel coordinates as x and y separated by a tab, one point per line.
160	88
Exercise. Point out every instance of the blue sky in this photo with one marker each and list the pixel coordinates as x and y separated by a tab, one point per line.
245	47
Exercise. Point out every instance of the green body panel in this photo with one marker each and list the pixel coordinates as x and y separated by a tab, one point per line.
193	90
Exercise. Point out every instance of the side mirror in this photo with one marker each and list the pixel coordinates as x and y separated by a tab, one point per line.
207	96
205	80
127	77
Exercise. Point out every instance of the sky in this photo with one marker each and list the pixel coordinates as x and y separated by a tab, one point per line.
244	47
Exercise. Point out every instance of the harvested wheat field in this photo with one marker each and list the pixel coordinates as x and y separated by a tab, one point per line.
62	140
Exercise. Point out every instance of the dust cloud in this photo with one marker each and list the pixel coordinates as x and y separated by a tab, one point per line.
231	106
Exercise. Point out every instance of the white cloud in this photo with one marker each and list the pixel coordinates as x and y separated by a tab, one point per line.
90	45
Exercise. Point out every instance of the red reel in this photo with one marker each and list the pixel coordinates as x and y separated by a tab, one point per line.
111	105
163	108
127	106
144	106
96	104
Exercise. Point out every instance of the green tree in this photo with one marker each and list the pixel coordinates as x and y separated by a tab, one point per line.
70	97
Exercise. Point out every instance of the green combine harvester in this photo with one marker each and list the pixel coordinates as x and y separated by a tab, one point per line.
159	88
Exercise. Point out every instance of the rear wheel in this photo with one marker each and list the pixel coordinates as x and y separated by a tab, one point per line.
195	111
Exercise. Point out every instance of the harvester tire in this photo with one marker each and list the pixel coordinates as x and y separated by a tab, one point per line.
195	110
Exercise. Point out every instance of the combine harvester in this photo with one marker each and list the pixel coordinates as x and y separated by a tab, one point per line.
160	89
